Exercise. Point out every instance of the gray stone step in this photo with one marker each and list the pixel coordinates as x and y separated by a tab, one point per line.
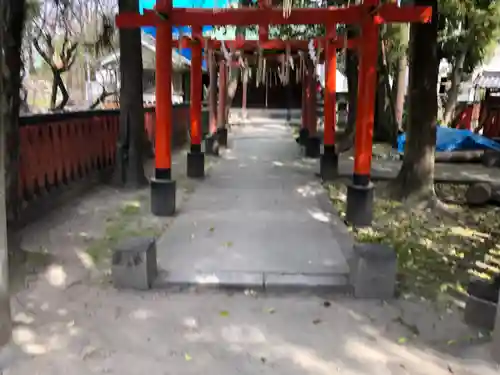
256	281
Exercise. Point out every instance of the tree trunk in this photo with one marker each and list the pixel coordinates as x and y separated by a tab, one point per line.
385	126
416	177
232	87
64	92
5	116
11	31
452	95
53	91
400	84
13	45
129	165
351	72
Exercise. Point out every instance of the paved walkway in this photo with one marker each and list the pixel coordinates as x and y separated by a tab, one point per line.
260	219
70	320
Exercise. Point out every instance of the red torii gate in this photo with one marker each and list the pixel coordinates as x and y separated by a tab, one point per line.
370	14
328	169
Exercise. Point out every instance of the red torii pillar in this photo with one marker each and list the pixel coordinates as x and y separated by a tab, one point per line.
359	210
329	159
163	187
196	158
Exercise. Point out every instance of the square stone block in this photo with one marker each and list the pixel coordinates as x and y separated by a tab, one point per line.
134	263
373	270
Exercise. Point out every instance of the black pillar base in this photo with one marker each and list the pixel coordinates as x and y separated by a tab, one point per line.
313	147
163	197
303	136
222	134
212	145
195	162
359	211
329	164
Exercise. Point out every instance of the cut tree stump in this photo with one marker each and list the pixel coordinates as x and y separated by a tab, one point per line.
469	156
491	158
482	193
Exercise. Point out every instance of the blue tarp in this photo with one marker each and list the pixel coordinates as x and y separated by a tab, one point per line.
448	139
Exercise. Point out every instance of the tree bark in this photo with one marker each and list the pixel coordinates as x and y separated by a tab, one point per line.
58	84
129	166
11	31
400	84
385	127
416	176
351	72
452	94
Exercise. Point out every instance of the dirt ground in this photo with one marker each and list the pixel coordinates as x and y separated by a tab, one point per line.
70	320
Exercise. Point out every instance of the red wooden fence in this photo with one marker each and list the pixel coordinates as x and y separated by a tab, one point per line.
57	149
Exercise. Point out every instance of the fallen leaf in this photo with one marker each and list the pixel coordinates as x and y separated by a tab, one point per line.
316	321
211	229
224	313
402	340
271	310
263	359
228	244
187	357
451	342
327	304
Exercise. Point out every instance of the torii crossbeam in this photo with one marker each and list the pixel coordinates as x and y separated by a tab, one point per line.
368	15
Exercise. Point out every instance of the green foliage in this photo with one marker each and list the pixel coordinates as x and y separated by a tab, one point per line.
470	26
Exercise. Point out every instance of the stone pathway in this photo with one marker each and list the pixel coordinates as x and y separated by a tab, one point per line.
260	219
68	319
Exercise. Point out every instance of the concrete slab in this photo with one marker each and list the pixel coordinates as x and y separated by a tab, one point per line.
261	210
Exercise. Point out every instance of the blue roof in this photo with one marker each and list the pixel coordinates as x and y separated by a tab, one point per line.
151	30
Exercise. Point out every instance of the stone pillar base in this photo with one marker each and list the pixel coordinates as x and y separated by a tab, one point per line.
195	163
313	147
359	212
163	197
222	136
212	145
329	164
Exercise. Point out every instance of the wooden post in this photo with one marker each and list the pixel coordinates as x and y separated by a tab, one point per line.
244	94
311	99
195	158
162	186
221	110
329	159
212	93
313	143
360	193
304	131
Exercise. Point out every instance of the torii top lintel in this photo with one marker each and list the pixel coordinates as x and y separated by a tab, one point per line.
355	14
